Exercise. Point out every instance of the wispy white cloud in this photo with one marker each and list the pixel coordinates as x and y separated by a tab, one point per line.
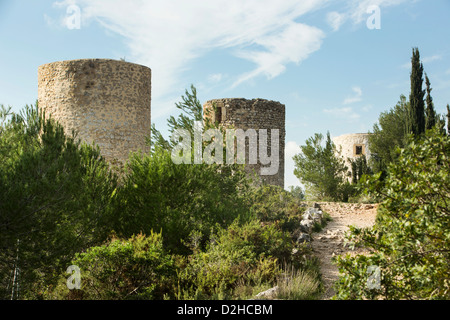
66	19
358	8
291	45
356	97
49	20
336	19
427	59
343	113
216	77
168	35
291	149
406	65
367	108
358	11
432	58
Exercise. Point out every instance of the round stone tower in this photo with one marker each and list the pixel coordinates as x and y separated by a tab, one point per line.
256	114
105	101
352	146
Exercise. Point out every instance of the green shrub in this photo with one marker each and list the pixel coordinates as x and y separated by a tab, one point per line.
320	169
177	199
270	203
411	238
136	268
55	200
263	240
247	253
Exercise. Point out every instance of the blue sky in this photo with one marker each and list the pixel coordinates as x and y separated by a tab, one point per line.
317	57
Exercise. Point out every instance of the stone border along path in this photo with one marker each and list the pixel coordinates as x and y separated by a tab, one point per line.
330	240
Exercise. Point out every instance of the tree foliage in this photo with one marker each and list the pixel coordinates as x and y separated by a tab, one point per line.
191	112
416	114
430	114
134	237
411	239
177	199
54	199
320	169
136	268
246	252
388	135
359	168
407	117
448	119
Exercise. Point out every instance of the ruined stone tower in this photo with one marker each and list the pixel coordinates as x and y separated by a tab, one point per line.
106	101
254	114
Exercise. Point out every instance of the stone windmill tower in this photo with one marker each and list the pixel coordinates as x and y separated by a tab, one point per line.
253	114
351	146
106	101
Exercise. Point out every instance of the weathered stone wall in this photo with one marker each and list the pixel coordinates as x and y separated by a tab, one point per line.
244	114
106	101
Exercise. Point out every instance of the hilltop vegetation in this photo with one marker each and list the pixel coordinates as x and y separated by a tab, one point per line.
410	242
322	170
409	174
157	230
153	230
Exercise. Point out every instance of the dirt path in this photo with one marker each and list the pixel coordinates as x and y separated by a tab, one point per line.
329	241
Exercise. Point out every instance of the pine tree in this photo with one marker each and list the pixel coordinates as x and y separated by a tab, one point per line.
56	199
431	117
320	169
416	116
388	135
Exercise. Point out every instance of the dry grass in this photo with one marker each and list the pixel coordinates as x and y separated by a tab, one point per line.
297	284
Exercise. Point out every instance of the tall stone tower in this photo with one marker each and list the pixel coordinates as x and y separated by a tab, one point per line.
239	113
106	101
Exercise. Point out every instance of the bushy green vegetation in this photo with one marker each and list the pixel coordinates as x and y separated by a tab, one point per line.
152	230
408	174
236	263
241	254
409	245
388	135
324	173
135	268
158	194
54	200
406	117
321	171
410	241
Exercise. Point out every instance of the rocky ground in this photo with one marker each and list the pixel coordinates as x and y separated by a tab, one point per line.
329	241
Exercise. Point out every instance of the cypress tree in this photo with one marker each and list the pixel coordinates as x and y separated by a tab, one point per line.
416	117
448	119
354	172
431	117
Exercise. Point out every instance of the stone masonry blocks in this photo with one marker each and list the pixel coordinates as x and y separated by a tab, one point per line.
240	113
351	146
105	101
